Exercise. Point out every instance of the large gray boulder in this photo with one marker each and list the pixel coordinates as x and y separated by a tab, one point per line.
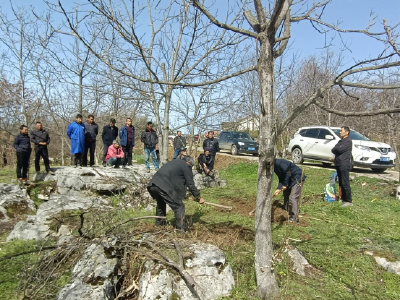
201	181
36	227
206	265
14	201
99	179
94	277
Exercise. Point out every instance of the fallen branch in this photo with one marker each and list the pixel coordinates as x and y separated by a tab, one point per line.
219	205
329	221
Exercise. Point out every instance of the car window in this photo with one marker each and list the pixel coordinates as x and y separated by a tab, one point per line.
223	135
241	135
323	133
312	133
354	135
303	132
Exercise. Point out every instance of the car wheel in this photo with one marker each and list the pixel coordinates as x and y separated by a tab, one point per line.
324	164
234	150
297	156
378	170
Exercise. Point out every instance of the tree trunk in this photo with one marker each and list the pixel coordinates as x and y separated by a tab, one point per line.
266	282
165	131
80	93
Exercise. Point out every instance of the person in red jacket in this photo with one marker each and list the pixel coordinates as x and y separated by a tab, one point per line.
114	155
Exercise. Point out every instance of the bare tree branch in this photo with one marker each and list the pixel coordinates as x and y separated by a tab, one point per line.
357	114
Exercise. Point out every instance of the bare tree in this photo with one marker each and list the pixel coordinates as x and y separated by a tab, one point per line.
271	28
177	51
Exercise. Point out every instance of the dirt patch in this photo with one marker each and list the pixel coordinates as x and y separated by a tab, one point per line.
239	205
306	237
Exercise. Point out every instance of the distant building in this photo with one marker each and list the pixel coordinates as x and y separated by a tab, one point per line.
249	123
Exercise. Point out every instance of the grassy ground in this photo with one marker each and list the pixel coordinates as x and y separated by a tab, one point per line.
333	239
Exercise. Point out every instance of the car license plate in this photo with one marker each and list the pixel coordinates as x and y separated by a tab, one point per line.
252	149
385	159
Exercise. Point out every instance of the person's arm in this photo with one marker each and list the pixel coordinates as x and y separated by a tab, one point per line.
33	138
16	143
217	145
156	137
188	174
342	146
69	131
96	129
121	154
143	137
103	133
114	133
47	138
184	141
204	144
133	136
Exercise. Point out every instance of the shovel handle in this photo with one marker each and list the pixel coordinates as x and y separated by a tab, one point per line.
219	205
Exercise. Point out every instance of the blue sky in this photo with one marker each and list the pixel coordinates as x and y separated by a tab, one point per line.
353	14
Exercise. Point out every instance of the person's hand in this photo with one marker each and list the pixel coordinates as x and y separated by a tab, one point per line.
284	188
276	193
201	201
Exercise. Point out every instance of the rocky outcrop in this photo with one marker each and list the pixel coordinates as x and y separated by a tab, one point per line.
94	277
36	227
201	181
206	265
14	202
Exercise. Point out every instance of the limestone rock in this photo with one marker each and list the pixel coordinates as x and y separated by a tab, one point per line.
100	179
43	177
391	267
208	268
36	227
94	277
14	201
300	263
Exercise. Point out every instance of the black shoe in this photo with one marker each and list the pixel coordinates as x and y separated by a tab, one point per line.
293	220
104	164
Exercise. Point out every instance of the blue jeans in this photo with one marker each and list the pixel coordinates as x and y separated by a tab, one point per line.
176	152
113	161
147	153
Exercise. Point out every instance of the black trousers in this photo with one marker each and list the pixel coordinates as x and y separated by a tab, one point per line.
211	166
76	159
344	182
127	154
42	152
177	206
105	149
91	148
23	164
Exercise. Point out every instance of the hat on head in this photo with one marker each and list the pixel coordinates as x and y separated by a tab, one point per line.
207	149
184	149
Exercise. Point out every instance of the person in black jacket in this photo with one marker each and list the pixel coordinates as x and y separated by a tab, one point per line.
110	133
342	151
205	162
168	186
291	179
91	131
212	144
22	144
179	144
41	139
150	139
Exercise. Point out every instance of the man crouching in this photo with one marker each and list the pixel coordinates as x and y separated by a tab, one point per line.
168	186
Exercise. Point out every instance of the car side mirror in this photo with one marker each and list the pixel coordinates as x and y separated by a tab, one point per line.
329	137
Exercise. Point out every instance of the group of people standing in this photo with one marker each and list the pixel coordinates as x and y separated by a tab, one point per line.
83	137
83	141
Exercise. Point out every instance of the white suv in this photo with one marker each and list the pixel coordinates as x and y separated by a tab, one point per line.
316	142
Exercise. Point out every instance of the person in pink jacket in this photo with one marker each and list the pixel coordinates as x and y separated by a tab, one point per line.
114	155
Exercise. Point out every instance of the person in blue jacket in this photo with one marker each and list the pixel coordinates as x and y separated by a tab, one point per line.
291	179
127	137
76	133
